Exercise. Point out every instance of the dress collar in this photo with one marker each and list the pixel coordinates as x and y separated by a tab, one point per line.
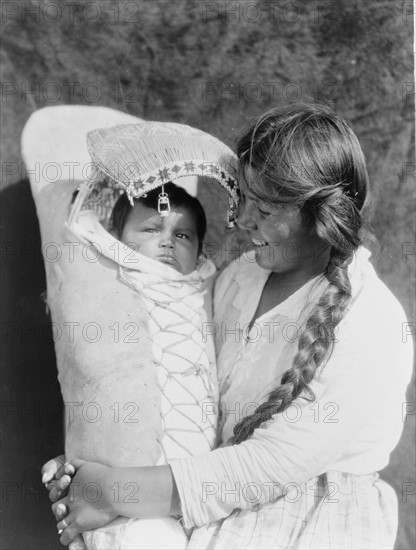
251	279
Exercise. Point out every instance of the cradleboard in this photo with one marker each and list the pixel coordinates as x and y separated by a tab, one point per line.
107	369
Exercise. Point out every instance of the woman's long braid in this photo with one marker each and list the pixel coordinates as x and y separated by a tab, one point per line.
314	348
310	157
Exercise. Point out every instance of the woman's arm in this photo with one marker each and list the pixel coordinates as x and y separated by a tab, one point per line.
98	494
146	492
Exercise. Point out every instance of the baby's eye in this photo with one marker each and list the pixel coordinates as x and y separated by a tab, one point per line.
182	235
149	230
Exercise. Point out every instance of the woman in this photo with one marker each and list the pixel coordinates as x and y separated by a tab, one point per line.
307	339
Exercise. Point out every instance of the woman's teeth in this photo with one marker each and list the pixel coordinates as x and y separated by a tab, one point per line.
256	242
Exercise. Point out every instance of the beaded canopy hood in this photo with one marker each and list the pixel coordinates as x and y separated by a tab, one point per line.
137	158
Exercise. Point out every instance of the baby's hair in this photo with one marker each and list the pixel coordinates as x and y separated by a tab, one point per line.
178	197
308	156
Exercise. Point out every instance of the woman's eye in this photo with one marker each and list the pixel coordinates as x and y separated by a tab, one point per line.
263	213
150	230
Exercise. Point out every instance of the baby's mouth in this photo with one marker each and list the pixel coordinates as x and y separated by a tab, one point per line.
171	261
168	259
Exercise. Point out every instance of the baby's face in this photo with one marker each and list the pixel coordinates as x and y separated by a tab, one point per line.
171	240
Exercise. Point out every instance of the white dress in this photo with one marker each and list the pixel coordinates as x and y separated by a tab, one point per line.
307	478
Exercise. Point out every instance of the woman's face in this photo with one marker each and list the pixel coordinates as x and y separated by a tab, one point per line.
283	241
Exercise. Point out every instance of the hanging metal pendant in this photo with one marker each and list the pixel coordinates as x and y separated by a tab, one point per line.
163	204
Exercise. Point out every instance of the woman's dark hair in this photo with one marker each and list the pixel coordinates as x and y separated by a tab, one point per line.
308	156
178	197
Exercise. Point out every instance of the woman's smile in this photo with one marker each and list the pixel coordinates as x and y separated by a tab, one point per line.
258	242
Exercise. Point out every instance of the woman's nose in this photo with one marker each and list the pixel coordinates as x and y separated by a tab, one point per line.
245	218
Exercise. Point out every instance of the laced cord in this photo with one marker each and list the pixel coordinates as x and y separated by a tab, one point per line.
183	366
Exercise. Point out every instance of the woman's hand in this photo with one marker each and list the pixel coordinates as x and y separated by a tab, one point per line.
50	468
98	494
89	503
56	477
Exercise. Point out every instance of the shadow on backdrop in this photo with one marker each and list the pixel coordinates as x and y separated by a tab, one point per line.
31	398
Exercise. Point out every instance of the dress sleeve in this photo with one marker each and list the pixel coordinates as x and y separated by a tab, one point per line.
363	384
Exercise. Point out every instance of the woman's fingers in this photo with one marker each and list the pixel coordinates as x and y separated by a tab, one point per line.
65	469
77	544
57	487
69	468
63	477
69	533
63	524
60	510
77	463
55	491
50	468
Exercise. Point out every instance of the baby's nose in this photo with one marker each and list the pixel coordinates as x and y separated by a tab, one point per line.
167	240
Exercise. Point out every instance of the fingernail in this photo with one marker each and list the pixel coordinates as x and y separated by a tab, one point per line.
61	509
45	478
69	469
65	480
